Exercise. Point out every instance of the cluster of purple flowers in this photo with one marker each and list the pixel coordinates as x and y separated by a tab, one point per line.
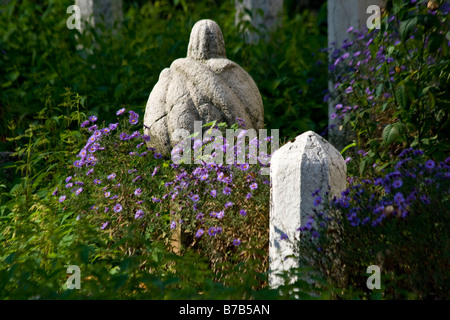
410	189
358	62
100	144
215	189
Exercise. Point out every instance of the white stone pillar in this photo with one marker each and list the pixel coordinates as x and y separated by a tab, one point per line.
343	14
297	170
269	19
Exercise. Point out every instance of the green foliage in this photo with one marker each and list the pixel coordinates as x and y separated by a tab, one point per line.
397	222
110	69
392	84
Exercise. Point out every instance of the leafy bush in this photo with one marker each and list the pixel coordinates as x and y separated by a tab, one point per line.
391	84
397	221
121	67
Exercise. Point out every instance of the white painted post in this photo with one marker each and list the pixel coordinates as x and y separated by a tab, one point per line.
297	170
270	17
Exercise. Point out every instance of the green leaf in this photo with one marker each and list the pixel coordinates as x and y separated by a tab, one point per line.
401	96
362	166
392	132
407	27
435	42
397	6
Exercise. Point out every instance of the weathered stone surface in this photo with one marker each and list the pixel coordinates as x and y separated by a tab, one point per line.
297	170
204	86
270	17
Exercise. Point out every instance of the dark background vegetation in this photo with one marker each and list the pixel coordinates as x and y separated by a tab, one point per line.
39	57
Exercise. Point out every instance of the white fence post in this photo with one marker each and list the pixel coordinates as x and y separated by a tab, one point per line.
297	170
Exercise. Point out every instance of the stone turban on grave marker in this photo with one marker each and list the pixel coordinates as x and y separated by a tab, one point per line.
204	86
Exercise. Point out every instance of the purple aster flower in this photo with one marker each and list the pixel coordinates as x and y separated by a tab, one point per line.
78	163
111	176
197	144
106	209
226	191
89	172
107	194
213	193
220	214
135	134
68	179
195	197
333	116
123	136
349	90
139	214
398	198
93	128
317	201
199	233
228	204
82	153
236	242
430	164
69	185
146	137
133	120
55	192
204	176
113	126
424	199
117	208
284	236
138	192
62	198
245	166
92	118
199	216
212	231
157	155
104	225
242	212
397	183
253	186
121	111
133	114
105	130
173	225
85	123
79	191
249	195
92	139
